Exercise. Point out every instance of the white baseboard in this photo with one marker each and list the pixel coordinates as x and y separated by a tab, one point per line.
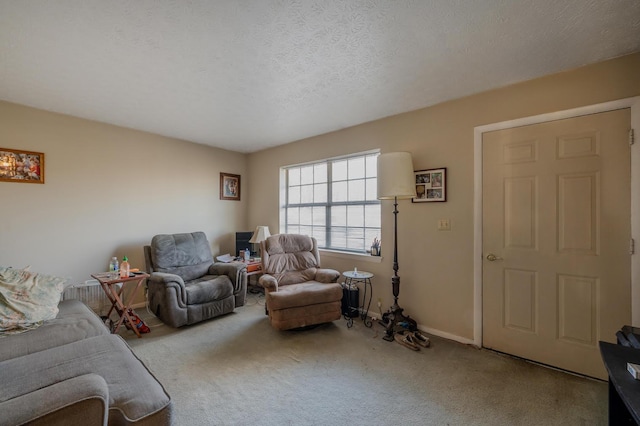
448	336
139	305
434	332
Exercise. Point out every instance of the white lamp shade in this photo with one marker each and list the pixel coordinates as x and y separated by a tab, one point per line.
260	234
395	176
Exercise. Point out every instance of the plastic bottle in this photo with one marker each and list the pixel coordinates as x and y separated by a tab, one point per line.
247	255
113	264
124	268
113	268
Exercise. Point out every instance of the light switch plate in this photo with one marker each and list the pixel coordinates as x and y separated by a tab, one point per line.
444	225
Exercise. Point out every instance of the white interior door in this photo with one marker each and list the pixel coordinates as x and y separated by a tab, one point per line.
556	232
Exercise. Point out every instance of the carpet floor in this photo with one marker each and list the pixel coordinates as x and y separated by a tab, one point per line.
238	370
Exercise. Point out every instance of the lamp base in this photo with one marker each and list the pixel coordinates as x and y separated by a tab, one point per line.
395	321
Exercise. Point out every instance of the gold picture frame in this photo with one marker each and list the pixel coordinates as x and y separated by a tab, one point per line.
229	187
21	166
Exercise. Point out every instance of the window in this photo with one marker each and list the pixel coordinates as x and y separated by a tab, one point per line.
334	201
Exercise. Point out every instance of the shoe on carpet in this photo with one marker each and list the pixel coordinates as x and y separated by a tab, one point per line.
406	340
421	339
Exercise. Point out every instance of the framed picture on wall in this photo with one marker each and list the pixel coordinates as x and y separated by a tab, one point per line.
21	166
431	185
229	187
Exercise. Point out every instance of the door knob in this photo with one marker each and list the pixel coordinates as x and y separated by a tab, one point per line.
492	257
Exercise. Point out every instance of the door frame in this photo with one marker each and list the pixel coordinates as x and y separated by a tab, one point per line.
632	103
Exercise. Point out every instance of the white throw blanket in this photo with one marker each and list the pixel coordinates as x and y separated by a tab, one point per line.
27	299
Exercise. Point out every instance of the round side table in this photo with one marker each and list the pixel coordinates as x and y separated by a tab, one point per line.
352	278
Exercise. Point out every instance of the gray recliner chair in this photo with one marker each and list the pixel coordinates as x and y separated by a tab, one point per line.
186	286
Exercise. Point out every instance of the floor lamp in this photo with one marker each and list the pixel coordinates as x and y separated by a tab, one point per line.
396	180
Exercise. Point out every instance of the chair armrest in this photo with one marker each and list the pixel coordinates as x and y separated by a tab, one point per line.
236	271
269	282
164	281
327	275
230	269
79	400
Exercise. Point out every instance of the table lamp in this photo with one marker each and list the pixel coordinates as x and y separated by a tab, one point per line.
260	234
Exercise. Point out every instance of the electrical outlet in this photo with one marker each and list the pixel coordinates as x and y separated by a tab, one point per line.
379	302
444	225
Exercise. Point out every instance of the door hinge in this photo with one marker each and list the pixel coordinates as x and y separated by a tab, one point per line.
632	138
632	246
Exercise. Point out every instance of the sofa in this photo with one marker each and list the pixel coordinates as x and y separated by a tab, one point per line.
72	371
186	286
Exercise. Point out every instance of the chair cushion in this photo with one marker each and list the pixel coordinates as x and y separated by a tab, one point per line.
296	277
208	289
303	294
288	243
284	253
186	255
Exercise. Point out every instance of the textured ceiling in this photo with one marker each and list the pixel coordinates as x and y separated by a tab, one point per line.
247	75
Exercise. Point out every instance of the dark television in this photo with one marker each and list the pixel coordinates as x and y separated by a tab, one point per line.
242	242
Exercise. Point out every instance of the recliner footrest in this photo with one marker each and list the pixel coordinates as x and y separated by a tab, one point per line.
304	294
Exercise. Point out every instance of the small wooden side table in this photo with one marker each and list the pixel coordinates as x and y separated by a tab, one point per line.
115	297
254	269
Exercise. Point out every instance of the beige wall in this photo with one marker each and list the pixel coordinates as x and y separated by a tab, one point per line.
436	267
98	203
107	191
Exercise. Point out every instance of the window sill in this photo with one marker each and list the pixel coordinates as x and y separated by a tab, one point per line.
353	256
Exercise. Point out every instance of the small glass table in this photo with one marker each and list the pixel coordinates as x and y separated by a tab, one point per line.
352	278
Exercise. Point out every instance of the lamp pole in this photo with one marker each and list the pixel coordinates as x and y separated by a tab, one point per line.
394	318
396	179
395	280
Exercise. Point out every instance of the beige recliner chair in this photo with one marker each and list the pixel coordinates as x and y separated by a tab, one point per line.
298	292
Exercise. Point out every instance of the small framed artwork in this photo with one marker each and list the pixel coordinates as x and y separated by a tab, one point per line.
431	185
21	166
229	187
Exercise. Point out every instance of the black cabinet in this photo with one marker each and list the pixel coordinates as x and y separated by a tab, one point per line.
624	390
350	301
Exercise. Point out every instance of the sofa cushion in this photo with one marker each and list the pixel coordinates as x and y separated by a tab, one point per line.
75	321
134	393
27	299
303	294
186	255
208	289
